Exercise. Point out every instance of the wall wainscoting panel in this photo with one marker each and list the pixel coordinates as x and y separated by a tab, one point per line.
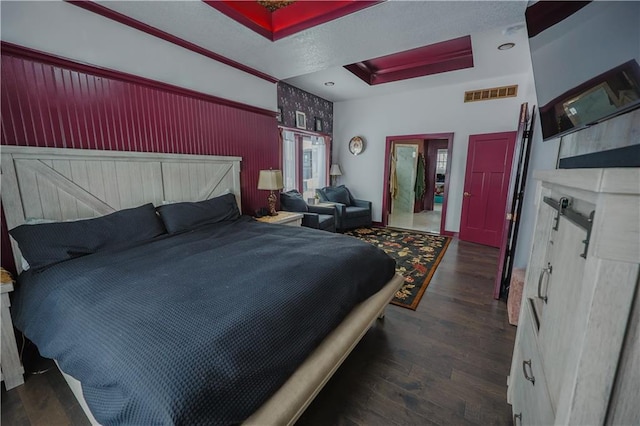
47	105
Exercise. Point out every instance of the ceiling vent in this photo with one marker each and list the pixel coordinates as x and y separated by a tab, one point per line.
493	93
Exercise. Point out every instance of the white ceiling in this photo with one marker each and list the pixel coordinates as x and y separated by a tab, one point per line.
309	58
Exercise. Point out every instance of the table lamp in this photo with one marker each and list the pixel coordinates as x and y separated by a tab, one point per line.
270	180
334	172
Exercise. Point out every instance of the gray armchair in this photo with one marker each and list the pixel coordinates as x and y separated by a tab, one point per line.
316	217
351	212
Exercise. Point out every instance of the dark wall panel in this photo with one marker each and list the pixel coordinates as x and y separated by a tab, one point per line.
47	105
292	99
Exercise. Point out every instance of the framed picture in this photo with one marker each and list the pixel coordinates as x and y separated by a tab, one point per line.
317	124
279	115
301	120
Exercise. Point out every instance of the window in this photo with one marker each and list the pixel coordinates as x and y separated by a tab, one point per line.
441	161
304	163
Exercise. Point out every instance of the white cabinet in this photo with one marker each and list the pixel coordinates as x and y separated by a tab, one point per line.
574	325
12	371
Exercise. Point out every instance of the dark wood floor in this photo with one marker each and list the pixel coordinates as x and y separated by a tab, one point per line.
445	363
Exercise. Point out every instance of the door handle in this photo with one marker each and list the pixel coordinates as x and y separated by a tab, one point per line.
466	194
524	371
517	417
545	271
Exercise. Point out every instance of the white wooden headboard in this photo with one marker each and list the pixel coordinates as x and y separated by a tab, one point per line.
61	184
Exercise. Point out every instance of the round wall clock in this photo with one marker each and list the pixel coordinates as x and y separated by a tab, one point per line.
356	145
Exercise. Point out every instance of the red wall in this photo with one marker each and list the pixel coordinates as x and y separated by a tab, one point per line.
49	102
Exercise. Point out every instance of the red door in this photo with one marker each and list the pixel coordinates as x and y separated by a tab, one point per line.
486	186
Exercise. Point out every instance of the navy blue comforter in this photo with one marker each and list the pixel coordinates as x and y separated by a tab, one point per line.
196	328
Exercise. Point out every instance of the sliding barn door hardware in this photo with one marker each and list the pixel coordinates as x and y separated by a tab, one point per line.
563	207
560	207
589	224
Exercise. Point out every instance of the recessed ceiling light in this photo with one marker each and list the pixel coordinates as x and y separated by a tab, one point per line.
506	46
329	83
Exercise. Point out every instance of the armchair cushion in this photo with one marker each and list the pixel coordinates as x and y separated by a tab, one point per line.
361	203
353	211
292	201
331	211
338	194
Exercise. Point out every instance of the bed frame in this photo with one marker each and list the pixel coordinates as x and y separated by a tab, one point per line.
62	184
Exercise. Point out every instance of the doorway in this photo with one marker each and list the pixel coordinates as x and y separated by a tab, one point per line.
406	161
416	185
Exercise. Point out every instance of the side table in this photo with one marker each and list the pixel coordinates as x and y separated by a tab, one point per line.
325	204
283	218
12	371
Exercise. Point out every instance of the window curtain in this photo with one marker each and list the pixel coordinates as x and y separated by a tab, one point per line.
289	161
393	178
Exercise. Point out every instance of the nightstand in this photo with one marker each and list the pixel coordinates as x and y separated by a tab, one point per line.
12	371
283	218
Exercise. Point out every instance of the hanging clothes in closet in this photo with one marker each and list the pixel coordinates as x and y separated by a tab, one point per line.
393	178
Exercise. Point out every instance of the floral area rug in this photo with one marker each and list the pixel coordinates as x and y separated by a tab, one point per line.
417	256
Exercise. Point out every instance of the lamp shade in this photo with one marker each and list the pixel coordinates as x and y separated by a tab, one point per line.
270	179
335	170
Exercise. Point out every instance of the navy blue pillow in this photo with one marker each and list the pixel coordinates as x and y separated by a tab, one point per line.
352	200
338	194
49	243
180	217
292	201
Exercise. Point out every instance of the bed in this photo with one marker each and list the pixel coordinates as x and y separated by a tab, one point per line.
152	278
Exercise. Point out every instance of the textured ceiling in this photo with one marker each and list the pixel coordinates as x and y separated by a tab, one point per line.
488	63
380	30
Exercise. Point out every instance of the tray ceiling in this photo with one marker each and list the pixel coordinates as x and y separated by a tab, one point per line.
317	54
436	58
278	19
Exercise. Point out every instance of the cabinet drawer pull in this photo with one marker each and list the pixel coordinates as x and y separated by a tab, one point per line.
524	370
517	417
545	271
